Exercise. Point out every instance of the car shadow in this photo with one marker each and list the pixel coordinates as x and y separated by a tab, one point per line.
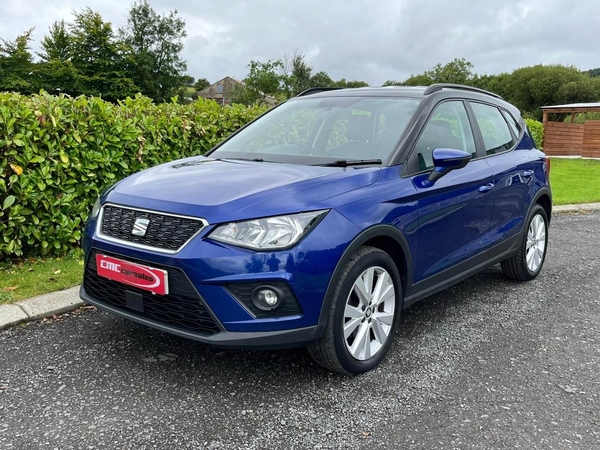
194	362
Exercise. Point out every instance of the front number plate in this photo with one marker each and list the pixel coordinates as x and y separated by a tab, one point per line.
143	277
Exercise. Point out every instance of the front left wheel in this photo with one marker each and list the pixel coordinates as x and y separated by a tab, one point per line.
364	314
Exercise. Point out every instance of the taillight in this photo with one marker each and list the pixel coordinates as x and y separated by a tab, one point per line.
547	167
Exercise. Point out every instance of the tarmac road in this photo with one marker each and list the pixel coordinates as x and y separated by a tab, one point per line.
487	364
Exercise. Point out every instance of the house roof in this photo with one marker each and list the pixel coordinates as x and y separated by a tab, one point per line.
574	106
207	88
233	79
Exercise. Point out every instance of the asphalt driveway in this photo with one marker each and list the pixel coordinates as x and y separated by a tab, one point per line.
489	363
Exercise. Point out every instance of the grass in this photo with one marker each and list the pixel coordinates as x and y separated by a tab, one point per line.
35	276
575	181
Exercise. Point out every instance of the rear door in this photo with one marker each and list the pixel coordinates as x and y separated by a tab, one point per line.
454	213
513	175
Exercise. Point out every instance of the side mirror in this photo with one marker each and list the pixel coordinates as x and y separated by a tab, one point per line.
446	160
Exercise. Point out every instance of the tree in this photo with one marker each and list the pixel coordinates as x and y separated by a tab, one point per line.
56	73
16	64
343	83
263	80
103	63
57	77
594	73
188	80
497	84
418	80
321	79
57	44
201	83
585	90
529	88
393	83
297	74
458	71
157	42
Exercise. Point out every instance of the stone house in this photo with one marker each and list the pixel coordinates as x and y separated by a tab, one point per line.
223	91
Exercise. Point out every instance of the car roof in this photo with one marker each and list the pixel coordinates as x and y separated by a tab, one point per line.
385	91
435	92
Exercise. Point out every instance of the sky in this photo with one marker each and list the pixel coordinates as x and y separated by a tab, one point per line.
370	40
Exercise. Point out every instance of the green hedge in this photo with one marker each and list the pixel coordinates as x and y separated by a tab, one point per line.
58	153
537	131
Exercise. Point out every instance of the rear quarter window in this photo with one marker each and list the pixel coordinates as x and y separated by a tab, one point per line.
512	123
494	129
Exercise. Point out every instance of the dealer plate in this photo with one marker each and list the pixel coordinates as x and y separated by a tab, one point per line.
140	276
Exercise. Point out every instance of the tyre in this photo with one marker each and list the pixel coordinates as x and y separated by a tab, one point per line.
363	316
527	263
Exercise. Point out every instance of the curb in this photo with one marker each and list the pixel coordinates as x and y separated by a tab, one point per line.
576	208
40	307
60	302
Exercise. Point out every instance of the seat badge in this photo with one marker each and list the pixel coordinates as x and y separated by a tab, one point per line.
140	227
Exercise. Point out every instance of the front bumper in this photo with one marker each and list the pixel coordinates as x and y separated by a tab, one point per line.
205	271
256	340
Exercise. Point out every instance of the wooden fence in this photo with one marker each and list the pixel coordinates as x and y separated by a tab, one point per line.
591	139
572	139
563	139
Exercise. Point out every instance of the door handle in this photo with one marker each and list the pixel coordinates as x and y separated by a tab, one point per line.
528	173
486	188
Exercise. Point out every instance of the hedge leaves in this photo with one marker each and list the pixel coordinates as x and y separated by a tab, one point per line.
58	153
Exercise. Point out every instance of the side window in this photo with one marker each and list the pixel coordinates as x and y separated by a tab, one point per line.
512	123
449	127
494	129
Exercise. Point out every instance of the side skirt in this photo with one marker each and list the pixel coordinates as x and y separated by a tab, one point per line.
455	275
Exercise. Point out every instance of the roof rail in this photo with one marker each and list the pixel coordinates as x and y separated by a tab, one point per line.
439	86
315	90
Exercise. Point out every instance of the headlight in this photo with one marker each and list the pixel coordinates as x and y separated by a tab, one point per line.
268	233
95	209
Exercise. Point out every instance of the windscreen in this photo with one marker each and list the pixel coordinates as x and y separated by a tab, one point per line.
320	130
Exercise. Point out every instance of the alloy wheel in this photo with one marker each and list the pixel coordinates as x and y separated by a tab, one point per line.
536	243
369	313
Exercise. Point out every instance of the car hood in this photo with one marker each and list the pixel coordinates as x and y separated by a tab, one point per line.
228	190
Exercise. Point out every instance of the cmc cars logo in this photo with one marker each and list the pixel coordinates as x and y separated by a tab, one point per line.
148	278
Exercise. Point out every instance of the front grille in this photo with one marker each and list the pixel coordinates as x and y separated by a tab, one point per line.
164	231
182	308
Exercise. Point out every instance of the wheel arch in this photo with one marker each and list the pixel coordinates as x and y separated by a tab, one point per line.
384	237
544	199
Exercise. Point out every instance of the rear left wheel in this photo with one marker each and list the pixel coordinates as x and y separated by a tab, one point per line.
364	314
527	263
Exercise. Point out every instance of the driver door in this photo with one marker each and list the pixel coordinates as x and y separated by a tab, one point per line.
455	212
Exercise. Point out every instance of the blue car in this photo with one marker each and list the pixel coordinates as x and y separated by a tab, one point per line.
320	221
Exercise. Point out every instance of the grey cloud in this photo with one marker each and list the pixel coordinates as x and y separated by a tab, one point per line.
368	40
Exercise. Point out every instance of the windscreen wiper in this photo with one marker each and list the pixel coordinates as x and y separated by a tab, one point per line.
351	162
246	159
243	159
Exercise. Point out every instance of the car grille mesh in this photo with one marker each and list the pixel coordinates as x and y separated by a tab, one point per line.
164	231
182	308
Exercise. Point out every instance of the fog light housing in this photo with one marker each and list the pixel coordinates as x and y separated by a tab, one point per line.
267	298
246	294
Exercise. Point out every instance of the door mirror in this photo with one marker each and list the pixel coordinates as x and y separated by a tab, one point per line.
446	160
